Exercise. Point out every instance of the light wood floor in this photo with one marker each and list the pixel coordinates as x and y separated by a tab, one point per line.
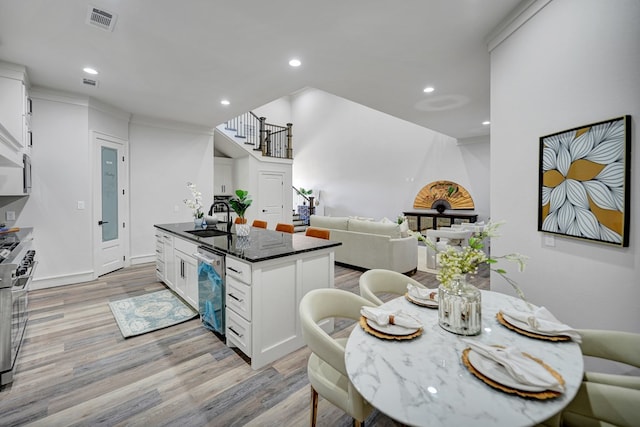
75	368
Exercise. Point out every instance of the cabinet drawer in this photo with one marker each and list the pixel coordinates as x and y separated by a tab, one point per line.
185	247
238	332
238	297
160	249
239	270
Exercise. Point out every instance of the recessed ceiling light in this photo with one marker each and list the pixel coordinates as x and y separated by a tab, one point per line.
225	102
486	123
90	70
295	63
428	89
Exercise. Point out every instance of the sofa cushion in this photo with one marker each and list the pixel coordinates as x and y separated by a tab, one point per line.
332	222
389	229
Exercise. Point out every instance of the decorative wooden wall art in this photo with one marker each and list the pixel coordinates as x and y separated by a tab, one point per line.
441	195
584	182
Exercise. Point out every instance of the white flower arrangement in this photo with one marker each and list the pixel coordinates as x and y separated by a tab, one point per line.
454	264
196	203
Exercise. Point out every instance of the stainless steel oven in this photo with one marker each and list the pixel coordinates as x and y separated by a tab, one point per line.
17	266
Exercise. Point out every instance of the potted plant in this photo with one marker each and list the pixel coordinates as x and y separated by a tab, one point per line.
195	204
240	203
305	193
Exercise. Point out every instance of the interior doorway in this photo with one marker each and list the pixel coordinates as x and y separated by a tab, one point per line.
271	191
110	203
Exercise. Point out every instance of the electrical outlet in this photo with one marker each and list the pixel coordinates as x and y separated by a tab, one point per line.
80	205
549	241
10	216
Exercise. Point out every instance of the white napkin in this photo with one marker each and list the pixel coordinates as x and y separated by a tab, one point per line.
521	368
383	317
422	293
543	321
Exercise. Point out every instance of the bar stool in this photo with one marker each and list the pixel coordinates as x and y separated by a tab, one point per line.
259	223
321	233
285	228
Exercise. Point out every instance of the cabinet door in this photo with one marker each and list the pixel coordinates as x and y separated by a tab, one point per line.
223	177
169	260
190	270
181	280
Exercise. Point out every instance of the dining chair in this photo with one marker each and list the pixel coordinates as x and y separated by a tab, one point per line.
380	281
285	228
321	233
326	367
605	399
259	223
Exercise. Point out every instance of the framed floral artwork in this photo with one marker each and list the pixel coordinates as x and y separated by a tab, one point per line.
584	182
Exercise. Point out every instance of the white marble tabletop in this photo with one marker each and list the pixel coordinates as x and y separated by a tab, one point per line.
423	382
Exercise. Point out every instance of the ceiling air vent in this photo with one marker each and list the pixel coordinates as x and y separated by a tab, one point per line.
90	82
101	18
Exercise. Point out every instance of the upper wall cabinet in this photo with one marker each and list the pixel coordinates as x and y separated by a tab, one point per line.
15	115
222	176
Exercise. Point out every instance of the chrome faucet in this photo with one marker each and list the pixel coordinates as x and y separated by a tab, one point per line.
221	202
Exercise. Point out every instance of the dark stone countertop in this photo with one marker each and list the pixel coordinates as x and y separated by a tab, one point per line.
260	245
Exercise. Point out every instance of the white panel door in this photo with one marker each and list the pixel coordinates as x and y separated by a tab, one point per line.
271	196
110	204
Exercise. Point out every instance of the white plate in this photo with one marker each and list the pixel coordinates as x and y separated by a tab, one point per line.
495	371
526	327
420	301
391	329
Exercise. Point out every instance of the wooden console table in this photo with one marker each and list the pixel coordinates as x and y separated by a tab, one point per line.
436	220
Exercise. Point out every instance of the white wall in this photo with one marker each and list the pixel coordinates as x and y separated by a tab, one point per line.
368	163
163	157
277	112
61	165
576	62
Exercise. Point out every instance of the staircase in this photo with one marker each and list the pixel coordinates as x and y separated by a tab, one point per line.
271	140
299	225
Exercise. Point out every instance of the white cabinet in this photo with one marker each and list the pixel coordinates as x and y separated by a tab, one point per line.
186	267
165	262
222	176
262	300
15	113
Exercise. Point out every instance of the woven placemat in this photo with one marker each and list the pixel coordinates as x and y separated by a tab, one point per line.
412	301
370	330
508	325
541	395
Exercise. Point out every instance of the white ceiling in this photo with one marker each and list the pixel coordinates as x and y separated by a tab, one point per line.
177	59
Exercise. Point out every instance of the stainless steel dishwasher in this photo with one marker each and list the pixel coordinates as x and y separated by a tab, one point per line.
211	288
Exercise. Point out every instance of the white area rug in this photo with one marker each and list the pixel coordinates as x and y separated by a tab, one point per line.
150	312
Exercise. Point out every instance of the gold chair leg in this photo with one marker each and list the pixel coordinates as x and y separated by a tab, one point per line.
314	406
357	423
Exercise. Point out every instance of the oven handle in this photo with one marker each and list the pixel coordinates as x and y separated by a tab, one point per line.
27	282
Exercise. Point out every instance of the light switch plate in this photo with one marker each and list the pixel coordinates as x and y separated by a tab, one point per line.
10	216
80	205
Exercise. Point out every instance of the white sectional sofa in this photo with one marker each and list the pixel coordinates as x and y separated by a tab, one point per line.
370	244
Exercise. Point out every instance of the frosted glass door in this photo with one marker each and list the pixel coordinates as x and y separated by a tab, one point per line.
109	194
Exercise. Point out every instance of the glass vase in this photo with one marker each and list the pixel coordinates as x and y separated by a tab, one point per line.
459	307
198	221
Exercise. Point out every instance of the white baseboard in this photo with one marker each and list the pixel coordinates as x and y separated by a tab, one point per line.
53	281
142	259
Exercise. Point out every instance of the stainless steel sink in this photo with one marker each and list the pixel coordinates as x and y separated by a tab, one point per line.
207	232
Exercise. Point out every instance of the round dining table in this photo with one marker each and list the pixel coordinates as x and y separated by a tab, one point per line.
423	381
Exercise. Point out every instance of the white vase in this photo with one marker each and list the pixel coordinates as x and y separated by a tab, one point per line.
459	308
243	229
198	221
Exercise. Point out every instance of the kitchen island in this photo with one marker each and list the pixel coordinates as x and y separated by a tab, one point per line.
267	274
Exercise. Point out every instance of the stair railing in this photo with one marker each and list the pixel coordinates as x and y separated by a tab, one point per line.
272	140
300	199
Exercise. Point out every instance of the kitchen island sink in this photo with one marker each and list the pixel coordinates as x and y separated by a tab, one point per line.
208	232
